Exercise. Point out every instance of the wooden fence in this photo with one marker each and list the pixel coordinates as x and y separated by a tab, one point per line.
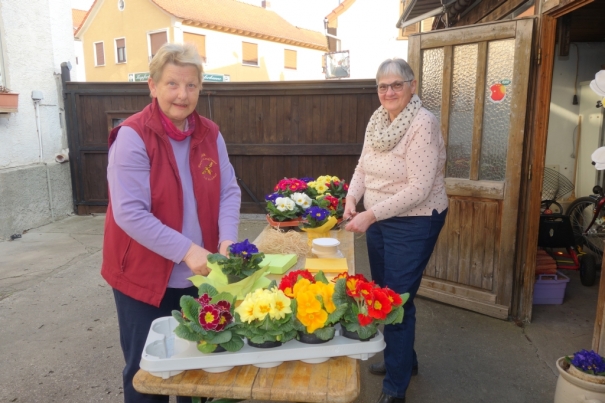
272	130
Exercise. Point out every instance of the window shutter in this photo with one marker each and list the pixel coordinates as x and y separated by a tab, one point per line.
157	40
199	41
250	53
427	25
290	59
120	43
410	29
100	54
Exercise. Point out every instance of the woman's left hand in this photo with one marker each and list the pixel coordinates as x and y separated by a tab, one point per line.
223	249
361	222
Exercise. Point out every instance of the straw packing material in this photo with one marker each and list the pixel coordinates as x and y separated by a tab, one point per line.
283	242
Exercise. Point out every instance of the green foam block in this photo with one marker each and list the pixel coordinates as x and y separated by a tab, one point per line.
279	264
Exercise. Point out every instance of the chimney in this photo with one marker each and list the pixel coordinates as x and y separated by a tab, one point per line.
266	4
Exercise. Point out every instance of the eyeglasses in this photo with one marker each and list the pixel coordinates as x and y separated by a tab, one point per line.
397	86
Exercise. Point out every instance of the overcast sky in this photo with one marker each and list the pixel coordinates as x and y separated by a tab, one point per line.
302	13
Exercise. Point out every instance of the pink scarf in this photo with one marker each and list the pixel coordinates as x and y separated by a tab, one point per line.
172	131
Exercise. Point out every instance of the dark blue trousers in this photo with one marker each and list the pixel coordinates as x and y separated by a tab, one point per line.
134	319
399	249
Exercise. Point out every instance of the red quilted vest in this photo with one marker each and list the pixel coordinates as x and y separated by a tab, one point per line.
130	267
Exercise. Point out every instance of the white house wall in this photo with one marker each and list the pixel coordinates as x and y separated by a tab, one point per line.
33	193
270	56
367	30
563	114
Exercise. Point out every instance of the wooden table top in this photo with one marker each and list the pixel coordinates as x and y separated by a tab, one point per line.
336	380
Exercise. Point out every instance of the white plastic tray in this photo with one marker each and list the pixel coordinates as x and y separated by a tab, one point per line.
166	355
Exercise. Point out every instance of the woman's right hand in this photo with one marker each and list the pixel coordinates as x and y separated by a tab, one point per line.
196	259
350	204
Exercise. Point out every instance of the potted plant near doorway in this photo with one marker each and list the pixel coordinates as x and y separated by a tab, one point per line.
581	378
9	101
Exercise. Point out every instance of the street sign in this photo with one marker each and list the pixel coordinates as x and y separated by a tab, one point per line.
209	77
134	77
216	77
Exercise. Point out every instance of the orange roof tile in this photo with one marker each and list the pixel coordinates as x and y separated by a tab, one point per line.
341	8
77	17
242	19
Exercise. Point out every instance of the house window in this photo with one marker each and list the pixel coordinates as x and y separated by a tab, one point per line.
249	54
156	40
199	41
99	54
121	50
290	59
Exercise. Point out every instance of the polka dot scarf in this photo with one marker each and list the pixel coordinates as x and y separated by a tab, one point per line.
384	135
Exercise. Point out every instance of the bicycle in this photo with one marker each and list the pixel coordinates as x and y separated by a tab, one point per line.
587	218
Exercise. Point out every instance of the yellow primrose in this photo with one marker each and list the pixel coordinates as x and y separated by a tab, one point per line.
313	320
246	310
321	188
325	291
262	307
307	303
300	286
280	306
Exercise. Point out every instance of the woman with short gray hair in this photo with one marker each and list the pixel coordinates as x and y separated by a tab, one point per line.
169	176
400	177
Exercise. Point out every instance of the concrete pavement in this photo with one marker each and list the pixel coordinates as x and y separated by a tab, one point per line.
59	339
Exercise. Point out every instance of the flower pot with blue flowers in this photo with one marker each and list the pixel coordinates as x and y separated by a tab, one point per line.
581	378
243	261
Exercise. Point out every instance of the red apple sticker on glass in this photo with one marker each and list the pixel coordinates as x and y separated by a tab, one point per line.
498	91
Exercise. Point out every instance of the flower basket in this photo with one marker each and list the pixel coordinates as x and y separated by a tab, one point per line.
9	102
294	223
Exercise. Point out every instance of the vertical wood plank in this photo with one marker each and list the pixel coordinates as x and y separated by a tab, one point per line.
453	240
443	248
466	238
479	104
448	68
478	248
490	239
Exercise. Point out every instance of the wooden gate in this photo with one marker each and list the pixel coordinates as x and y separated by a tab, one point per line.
272	130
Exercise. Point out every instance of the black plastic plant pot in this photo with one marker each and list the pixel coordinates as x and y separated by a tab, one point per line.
353	335
266	344
310	338
219	349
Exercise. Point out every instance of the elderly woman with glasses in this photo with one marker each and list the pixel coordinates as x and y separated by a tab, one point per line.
173	199
400	177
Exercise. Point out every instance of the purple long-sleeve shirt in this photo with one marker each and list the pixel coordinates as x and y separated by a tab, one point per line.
128	176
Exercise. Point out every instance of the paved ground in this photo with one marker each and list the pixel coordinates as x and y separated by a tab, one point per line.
59	338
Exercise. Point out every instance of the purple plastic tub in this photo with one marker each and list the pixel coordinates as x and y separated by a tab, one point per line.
550	289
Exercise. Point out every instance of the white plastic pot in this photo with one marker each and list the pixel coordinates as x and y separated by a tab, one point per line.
571	389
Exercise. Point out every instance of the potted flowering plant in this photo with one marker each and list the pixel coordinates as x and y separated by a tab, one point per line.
583	374
317	223
367	306
292	197
315	311
265	318
243	261
208	320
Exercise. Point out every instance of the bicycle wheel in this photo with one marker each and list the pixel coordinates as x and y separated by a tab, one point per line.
580	214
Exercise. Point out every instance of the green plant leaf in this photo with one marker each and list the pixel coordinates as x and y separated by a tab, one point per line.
325	333
220	337
321	277
178	315
207	289
335	316
223	296
191	308
395	316
405	297
340	294
365	332
184	332
235	344
216	258
206	348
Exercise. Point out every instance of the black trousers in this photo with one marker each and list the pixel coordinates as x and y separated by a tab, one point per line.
134	319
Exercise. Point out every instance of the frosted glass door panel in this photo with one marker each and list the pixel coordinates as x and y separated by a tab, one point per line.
462	108
432	80
496	112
